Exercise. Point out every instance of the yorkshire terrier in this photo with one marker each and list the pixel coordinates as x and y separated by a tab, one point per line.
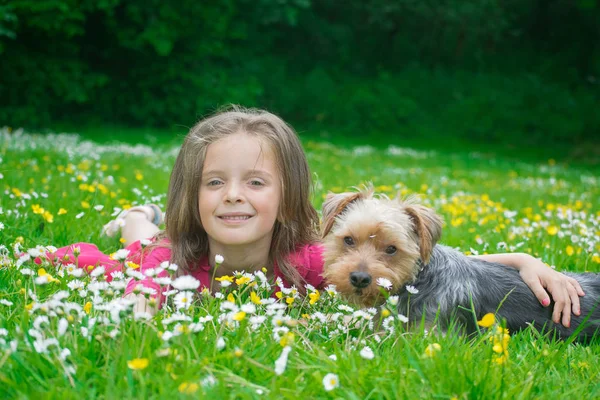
368	237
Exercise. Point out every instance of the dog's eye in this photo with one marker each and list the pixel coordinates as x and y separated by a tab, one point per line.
349	241
391	250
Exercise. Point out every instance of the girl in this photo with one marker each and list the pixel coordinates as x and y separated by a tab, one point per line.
240	188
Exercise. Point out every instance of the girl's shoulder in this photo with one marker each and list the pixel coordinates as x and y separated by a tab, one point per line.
308	258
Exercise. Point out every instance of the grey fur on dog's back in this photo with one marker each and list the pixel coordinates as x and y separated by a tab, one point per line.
451	285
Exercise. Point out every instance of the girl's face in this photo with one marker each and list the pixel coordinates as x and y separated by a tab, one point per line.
240	192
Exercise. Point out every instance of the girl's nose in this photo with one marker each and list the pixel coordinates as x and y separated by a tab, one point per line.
233	193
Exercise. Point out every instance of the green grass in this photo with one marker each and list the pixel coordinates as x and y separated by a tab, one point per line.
490	203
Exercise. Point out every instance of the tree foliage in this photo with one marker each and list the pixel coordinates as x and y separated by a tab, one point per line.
160	62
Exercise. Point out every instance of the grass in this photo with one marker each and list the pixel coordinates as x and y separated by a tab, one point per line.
490	204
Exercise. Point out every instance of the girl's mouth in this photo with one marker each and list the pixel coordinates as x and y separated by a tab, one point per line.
234	217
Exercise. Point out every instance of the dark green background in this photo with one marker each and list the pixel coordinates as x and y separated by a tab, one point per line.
486	71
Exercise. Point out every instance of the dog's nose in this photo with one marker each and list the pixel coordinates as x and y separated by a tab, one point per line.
360	279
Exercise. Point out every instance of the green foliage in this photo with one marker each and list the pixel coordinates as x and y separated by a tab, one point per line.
548	209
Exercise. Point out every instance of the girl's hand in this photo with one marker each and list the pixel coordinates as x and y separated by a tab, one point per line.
542	280
142	304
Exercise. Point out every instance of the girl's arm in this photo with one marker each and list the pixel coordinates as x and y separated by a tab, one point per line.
564	290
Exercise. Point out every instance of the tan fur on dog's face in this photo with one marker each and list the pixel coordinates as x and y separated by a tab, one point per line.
386	239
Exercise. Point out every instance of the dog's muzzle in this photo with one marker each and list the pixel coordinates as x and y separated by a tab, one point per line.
360	280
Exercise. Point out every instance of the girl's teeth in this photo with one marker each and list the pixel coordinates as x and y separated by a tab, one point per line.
241	217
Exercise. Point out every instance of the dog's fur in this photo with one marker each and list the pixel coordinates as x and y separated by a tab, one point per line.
451	286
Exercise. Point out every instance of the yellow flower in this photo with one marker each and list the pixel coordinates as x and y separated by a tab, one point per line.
85	204
37	209
62	211
552	230
48	217
279	295
500	359
138	363
314	297
238	352
488	320
132	265
289	300
432	349
242	280
188	388
385	313
230	298
239	316
570	250
139	176
225	278
88	307
122	240
287	339
254	298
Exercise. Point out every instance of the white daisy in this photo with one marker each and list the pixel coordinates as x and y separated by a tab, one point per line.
186	282
412	289
330	382
384	283
367	353
281	362
183	300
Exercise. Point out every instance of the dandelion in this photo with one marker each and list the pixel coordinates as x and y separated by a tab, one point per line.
384	283
432	350
570	250
254	298
281	362
330	382
367	353
138	363
314	297
239	316
488	320
188	388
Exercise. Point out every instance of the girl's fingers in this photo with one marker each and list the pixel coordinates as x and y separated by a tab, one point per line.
577	287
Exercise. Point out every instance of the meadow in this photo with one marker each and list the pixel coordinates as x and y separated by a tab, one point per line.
66	334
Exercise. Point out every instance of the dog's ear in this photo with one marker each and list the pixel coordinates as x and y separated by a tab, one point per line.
428	227
334	205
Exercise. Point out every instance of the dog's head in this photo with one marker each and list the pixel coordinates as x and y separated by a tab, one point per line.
369	237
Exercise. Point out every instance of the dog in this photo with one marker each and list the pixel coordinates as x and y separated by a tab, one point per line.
368	237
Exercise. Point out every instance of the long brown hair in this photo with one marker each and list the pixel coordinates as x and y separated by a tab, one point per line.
297	221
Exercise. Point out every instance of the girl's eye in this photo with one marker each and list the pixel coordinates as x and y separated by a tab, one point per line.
256	183
213	182
391	250
349	241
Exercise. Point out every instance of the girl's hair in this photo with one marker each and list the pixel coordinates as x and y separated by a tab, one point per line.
297	220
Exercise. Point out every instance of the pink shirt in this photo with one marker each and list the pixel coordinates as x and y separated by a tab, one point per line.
308	260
